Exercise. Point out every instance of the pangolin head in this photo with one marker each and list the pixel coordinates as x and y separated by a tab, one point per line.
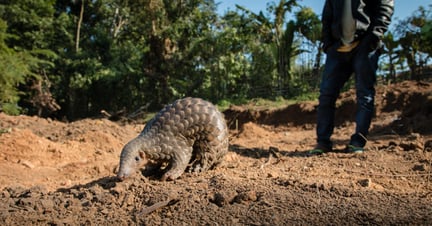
132	158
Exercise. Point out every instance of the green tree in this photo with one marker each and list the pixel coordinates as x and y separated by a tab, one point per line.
308	26
426	30
27	58
104	72
282	40
394	56
414	48
13	72
426	34
136	52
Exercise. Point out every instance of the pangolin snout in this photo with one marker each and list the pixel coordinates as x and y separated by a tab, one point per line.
122	175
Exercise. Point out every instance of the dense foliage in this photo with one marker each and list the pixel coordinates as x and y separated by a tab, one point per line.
72	59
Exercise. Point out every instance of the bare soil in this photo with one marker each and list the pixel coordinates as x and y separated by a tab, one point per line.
56	173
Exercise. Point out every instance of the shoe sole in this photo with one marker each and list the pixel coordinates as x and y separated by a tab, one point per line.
354	150
316	152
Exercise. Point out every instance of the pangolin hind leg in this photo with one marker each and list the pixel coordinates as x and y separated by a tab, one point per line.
206	156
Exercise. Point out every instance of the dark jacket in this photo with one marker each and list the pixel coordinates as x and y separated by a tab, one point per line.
372	20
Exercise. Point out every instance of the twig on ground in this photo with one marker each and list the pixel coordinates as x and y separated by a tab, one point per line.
147	210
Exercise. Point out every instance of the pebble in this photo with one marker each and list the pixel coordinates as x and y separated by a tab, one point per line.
365	182
420	167
26	163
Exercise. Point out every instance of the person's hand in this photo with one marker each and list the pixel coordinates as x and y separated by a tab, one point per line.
370	42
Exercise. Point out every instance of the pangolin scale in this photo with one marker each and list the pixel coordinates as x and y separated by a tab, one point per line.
189	132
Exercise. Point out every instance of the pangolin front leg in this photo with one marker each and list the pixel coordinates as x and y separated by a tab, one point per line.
178	164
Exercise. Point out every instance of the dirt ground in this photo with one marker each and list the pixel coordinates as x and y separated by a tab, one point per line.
56	173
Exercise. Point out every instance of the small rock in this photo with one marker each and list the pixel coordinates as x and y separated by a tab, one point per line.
5	194
392	143
26	163
420	167
219	199
245	197
272	175
428	146
365	182
414	136
47	205
105	211
66	183
223	198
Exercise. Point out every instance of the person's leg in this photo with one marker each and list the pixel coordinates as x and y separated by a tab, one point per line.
336	72
365	66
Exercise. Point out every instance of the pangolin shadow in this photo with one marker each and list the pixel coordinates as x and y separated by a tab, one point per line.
104	182
154	172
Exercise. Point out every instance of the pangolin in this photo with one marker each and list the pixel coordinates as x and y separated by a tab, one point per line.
189	132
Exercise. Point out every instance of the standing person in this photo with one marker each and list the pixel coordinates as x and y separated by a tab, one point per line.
351	35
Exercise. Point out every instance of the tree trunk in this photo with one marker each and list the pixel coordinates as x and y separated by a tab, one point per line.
77	40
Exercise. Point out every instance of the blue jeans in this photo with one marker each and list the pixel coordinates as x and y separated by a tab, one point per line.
339	67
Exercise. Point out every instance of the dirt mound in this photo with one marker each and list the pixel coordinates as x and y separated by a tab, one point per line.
293	115
53	154
410	102
62	173
414	101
